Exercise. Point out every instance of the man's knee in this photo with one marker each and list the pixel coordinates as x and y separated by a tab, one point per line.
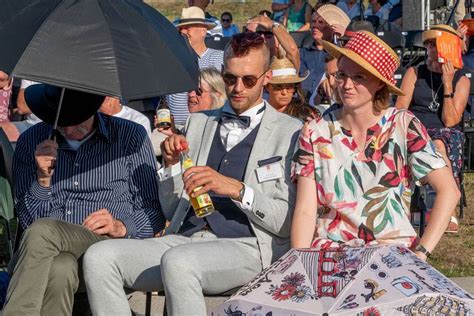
63	273
176	262
42	230
97	257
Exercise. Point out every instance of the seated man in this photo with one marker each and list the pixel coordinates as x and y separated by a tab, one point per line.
243	152
96	181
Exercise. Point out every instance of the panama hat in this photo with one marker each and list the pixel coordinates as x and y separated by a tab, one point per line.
371	53
77	107
435	29
333	15
192	16
283	71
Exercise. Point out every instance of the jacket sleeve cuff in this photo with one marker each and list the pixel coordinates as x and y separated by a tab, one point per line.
39	191
130	226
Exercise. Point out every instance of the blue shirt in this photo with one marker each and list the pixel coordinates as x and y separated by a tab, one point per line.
312	59
115	169
231	30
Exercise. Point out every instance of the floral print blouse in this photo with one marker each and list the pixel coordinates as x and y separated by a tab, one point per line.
364	197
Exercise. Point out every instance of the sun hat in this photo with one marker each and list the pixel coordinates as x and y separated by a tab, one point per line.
283	71
332	14
371	53
192	16
435	29
77	107
356	26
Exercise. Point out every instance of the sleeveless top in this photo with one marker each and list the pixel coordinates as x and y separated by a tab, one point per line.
428	85
296	19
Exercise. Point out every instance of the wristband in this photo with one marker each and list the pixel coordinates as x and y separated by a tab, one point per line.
423	250
449	96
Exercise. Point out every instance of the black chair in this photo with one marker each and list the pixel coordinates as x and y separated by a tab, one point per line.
216	42
414	50
399	74
394	40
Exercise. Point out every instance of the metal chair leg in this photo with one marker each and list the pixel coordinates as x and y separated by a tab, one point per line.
148	304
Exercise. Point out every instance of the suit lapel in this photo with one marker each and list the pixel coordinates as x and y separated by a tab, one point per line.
207	136
261	142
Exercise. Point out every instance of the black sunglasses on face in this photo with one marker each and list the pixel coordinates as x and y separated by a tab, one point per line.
266	34
225	20
248	81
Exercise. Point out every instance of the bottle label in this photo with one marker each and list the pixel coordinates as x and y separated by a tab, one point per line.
200	201
163	116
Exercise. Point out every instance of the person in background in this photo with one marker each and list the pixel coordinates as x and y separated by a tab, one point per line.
356	167
353	8
380	8
284	91
324	96
279	7
193	26
203	5
437	95
14	129
297	17
312	58
210	95
6	84
277	38
113	107
228	28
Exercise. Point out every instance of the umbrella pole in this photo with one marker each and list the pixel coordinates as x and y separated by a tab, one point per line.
58	112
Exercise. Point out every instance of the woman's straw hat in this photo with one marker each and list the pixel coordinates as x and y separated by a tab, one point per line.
333	15
372	54
435	29
192	16
283	71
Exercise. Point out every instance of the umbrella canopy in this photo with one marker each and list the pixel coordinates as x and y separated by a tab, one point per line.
382	280
121	48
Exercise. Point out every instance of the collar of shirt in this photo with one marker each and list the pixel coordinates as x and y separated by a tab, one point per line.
101	130
255	113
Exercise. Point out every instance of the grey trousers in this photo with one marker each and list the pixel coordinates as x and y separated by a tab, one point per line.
185	267
45	276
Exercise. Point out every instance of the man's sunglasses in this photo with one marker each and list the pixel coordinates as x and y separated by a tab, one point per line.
248	81
225	20
266	34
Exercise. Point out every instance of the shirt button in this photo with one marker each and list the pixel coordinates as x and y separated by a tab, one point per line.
76	183
68	212
226	161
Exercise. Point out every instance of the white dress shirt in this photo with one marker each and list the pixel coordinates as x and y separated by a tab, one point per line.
232	133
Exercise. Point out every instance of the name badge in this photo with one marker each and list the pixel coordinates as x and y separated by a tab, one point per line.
269	172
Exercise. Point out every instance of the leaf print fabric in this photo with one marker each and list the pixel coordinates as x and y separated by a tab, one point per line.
364	197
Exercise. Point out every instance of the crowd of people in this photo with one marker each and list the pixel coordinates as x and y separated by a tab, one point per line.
297	147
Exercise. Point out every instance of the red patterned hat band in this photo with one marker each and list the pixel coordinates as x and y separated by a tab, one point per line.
376	53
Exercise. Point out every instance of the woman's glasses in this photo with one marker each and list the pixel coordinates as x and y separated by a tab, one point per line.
357	79
248	81
284	86
225	20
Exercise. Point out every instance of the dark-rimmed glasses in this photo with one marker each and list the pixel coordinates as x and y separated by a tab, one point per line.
357	79
249	81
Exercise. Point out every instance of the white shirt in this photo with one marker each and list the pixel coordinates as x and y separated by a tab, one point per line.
134	116
232	133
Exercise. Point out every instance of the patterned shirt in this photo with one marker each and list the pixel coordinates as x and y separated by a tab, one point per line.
115	169
178	102
363	196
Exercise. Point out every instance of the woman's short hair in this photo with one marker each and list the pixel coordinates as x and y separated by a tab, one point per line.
228	14
214	79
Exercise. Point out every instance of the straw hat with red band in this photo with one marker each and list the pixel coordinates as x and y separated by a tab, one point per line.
431	33
372	54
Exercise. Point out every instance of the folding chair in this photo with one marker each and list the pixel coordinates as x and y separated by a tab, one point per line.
216	42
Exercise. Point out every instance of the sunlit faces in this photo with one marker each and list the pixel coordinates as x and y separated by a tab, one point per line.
280	95
431	51
194	32
200	100
79	131
226	21
318	27
356	86
243	96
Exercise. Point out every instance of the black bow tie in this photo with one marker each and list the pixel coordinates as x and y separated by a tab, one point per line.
244	120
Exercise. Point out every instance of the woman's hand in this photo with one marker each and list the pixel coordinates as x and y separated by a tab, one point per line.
338	29
448	73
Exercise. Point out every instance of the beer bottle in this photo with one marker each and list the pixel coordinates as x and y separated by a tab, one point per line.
163	114
202	204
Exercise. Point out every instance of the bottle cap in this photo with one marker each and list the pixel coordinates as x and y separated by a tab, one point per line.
184	145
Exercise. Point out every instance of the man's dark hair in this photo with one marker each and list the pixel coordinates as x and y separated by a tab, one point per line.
266	13
329	58
227	13
241	44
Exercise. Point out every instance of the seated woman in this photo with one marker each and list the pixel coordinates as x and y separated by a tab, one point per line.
357	165
210	95
298	16
284	90
437	95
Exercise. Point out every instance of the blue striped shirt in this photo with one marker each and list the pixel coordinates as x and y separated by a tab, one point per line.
115	169
178	102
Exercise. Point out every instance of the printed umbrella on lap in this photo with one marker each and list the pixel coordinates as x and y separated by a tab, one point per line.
375	280
121	48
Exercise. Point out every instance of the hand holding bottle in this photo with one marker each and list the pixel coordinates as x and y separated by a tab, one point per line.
171	148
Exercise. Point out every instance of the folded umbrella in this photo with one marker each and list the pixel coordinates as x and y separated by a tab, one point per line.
121	48
376	280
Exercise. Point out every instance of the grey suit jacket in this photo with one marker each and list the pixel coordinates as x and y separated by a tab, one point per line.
271	213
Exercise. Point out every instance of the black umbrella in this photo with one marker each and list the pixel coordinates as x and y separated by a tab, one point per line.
121	48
